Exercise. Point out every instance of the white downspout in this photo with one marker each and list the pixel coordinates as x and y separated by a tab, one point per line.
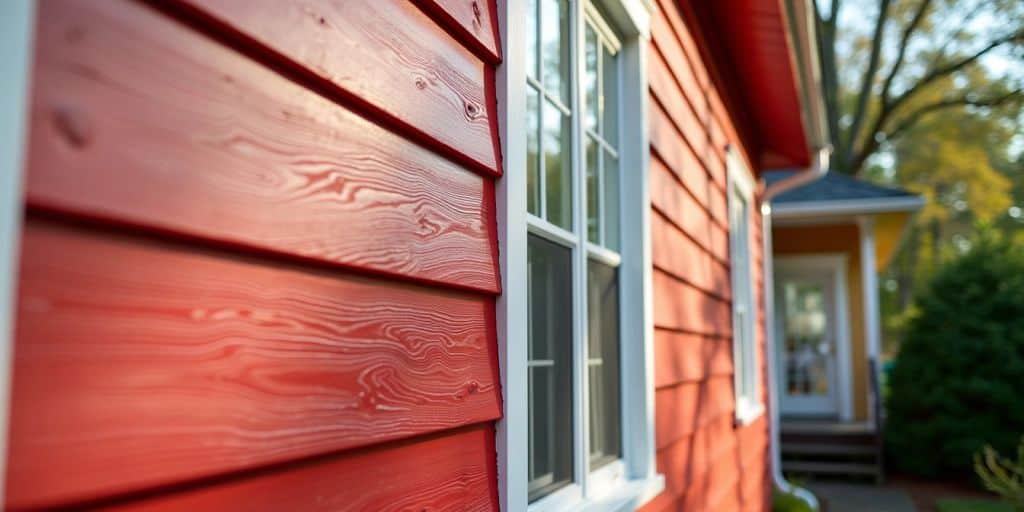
817	169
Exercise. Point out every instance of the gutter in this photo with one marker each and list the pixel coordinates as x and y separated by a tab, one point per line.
817	169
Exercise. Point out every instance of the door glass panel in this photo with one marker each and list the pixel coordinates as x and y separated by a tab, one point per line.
549	361
807	343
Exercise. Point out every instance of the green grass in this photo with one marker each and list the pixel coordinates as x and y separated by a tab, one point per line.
961	505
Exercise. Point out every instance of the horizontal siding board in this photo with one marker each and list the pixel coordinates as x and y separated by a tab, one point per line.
474	22
386	54
178	133
687	408
680	306
679	42
456	472
148	364
685	357
673	252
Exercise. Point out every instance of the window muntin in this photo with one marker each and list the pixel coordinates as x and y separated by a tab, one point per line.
573	205
743	306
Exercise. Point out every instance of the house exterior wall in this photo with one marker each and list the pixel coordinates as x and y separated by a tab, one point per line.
845	239
258	267
709	463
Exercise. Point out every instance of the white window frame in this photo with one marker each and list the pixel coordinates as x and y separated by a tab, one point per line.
746	386
633	480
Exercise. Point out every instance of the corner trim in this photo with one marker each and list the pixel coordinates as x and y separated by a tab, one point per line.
17	24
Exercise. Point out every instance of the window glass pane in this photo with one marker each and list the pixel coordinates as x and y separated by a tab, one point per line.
554	35
603	365
611	201
531	38
532	151
610	97
549	285
590	78
557	166
593	206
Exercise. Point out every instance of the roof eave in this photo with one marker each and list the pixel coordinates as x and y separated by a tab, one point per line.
846	207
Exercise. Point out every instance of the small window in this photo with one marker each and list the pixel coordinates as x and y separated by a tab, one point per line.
744	314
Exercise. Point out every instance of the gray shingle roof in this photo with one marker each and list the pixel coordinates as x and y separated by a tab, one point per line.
833	186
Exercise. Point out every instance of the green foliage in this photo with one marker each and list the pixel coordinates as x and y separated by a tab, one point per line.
958	379
1002	476
785	502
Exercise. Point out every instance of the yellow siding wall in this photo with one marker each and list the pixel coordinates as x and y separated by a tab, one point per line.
843	239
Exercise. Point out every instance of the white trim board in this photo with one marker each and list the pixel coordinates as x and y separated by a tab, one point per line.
17	22
835	263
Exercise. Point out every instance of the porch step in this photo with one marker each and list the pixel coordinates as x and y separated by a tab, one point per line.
826	448
831	450
833	468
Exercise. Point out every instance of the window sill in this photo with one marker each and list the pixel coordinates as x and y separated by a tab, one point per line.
626	496
748	412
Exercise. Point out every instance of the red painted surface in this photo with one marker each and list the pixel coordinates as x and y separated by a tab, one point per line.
387	57
472	21
751	65
258	269
455	472
148	364
709	463
224	149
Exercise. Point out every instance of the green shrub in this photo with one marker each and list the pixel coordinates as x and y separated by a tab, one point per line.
1002	476
784	502
958	381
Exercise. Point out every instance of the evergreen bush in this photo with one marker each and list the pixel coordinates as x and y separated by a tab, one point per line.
958	380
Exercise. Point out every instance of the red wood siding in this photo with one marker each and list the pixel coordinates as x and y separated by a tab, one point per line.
259	259
708	462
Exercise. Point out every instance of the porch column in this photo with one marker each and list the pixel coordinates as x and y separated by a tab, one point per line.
869	280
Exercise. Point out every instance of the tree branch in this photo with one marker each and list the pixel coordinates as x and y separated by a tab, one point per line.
871	143
960	101
904	41
869	75
939	72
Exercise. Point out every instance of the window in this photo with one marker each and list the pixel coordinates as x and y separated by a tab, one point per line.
575	323
573	264
748	403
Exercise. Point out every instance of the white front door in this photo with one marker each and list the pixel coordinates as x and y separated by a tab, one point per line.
807	299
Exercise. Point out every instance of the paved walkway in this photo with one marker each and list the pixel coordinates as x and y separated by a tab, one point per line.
861	498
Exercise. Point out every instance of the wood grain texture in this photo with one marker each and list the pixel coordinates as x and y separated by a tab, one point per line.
148	364
453	473
386	55
178	133
474	22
